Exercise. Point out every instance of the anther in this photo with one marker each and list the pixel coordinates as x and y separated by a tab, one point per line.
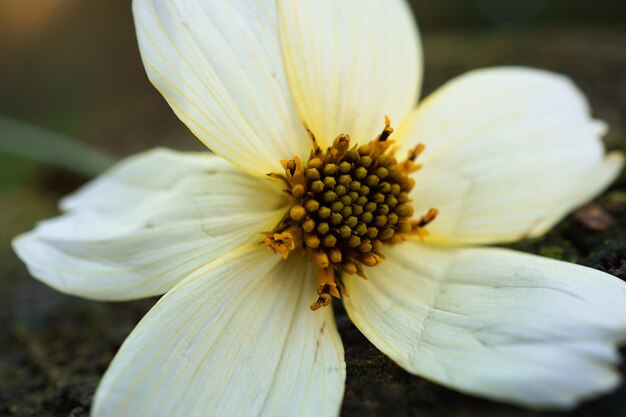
360	229
324	212
384	187
345	167
370	259
354	241
297	213
320	258
352	155
323	228
349	267
345	180
330	182
348	203
315	163
383	209
312	206
330	196
428	217
308	225
336	219
334	255
329	241
283	242
365	247
312	241
414	153
382	173
370	207
355	186
345	231
387	131
298	191
386	234
352	221
366	217
360	173
330	169
326	288
317	186
377	198
372	180
336	206
312	174
365	161
380	221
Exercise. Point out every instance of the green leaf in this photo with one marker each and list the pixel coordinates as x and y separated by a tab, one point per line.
31	142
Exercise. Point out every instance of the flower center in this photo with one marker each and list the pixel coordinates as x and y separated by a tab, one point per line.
348	202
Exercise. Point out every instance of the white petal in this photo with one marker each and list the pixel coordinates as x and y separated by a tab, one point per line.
494	323
219	65
509	152
150	221
350	63
236	338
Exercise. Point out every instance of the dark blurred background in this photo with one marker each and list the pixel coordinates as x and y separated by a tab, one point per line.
72	68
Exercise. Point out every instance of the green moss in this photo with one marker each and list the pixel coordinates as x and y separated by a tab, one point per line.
554	252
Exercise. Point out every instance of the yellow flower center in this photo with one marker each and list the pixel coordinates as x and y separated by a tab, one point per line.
348	202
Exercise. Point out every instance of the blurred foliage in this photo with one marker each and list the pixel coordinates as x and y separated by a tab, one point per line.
484	13
36	144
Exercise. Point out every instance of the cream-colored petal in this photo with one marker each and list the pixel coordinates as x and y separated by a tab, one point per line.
509	152
219	65
495	323
236	338
349	63
147	223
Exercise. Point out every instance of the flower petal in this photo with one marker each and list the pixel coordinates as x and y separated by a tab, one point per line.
509	152
236	338
219	66
147	223
349	63
494	323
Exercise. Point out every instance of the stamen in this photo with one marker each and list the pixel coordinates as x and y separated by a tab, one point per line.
348	203
326	288
387	131
283	242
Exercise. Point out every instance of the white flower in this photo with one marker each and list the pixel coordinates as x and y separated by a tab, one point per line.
509	152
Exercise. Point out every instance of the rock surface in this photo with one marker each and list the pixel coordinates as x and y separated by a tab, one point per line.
54	348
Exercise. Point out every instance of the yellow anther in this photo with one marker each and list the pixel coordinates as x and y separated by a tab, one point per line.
348	203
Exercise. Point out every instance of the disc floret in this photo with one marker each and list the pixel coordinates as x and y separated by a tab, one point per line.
348	202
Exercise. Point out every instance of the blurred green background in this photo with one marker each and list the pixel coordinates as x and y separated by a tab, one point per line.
71	68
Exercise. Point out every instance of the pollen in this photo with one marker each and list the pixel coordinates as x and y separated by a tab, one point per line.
349	202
